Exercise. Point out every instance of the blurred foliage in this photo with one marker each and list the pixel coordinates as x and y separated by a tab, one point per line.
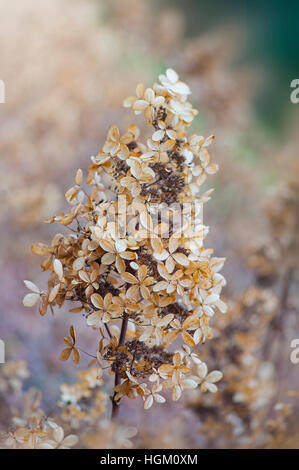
273	43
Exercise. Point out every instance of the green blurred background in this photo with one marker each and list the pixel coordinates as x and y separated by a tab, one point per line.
272	30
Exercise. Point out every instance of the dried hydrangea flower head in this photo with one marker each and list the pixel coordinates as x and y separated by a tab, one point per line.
134	263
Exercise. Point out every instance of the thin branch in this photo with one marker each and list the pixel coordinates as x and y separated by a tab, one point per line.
85	352
275	327
108	330
117	380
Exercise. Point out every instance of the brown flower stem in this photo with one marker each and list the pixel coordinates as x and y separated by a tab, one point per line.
285	289
276	325
85	352
108	331
133	360
121	342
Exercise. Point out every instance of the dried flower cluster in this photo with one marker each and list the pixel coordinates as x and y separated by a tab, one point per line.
253	407
81	409
234	417
134	263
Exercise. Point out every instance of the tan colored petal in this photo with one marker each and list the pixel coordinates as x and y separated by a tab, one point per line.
40	249
65	354
107	246
188	339
30	299
170	264
95	318
133	293
145	293
84	276
57	265
76	356
53	293
148	402
176	393
78	263
108	258
128	277
173	244
97	301
142	271
181	259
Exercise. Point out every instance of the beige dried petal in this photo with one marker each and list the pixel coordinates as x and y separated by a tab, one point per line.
173	244
33	287
146	221
221	306
30	300
188	339
107	246
128	277
128	255
95	318
212	169
43	304
145	293
53	293
208	141
84	276
158	135
148	402
176	393
120	264
128	102
161	285
157	244
140	90
209	386
40	249
108	258
181	259
214	376
97	300
65	354
189	384
132	293
57	265
170	264
89	290
140	105
73	333
197	336
69	441
163	272
78	263
158	398
79	177
142	273
167	145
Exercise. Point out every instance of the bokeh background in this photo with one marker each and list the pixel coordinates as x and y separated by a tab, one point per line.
67	66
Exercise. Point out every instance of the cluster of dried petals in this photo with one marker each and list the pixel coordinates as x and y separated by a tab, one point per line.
44	434
83	401
13	373
236	416
134	262
81	408
275	254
